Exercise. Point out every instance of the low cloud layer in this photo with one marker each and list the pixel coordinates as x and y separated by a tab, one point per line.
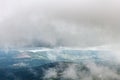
51	23
87	71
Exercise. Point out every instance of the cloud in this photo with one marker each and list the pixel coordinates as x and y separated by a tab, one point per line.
51	73
52	23
84	71
21	64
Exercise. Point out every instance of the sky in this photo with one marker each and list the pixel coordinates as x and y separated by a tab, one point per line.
54	23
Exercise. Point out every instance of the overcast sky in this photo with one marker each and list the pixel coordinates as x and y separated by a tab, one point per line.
54	23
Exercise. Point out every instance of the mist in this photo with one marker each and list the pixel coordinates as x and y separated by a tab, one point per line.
51	23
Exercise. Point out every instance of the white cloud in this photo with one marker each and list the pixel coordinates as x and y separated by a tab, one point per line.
82	23
51	73
86	71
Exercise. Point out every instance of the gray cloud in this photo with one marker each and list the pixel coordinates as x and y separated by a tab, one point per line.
51	23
